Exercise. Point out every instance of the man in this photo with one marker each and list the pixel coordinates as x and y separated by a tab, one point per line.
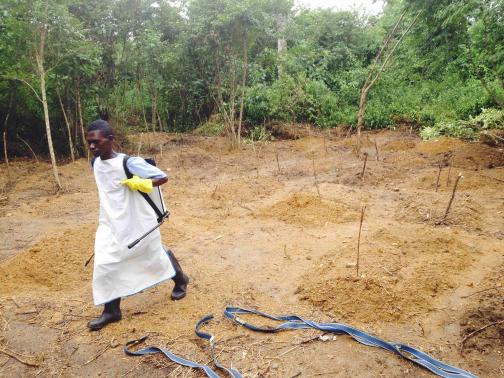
124	216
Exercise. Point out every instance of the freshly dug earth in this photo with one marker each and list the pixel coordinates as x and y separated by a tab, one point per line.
271	226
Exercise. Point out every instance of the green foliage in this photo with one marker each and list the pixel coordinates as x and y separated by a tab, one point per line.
212	127
489	119
140	62
258	133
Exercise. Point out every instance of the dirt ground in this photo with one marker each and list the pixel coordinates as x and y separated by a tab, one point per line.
274	227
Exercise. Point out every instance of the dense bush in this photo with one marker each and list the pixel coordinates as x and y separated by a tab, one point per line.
489	119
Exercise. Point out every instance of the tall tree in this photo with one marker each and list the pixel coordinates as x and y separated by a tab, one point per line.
44	32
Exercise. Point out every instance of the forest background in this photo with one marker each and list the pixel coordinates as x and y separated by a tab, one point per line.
241	66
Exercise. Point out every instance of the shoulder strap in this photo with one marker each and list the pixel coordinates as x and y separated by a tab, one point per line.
149	200
125	166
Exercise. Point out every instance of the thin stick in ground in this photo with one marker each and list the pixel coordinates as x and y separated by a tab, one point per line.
438	176
451	198
358	240
364	166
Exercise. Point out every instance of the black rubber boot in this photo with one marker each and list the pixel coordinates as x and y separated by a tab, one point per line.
111	313
181	279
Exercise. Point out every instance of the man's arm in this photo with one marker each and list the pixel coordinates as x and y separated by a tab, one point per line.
159	181
145	175
139	167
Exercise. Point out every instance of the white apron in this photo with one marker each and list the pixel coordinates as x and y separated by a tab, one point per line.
124	217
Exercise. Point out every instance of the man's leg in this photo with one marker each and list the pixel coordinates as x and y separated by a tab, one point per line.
181	279
111	313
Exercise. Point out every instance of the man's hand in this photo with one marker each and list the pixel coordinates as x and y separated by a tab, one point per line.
137	183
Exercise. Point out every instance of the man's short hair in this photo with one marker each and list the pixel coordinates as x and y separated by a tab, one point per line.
102	126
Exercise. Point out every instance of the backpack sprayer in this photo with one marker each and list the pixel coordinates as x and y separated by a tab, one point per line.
154	199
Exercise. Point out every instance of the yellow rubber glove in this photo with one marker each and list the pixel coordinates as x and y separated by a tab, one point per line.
137	183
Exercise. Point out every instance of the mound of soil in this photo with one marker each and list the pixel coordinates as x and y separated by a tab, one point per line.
401	279
460	154
308	210
244	190
289	131
486	180
439	146
487	308
399	145
465	211
55	263
352	142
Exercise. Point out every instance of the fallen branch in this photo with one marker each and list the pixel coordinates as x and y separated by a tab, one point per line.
13	355
490	177
482	291
97	356
478	331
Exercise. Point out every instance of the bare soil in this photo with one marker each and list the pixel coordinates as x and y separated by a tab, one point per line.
273	226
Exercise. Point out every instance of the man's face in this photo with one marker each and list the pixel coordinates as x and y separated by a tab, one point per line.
99	143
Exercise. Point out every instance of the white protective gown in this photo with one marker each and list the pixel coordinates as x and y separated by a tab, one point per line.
124	217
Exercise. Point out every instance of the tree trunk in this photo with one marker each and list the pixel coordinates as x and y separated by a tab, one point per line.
41	73
140	95
70	143
161	125
232	110
370	80
154	108
281	41
6	155
360	115
79	112
244	82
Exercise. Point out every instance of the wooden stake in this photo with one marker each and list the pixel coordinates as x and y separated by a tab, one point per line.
358	240
88	260
451	199
364	167
376	149
438	176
